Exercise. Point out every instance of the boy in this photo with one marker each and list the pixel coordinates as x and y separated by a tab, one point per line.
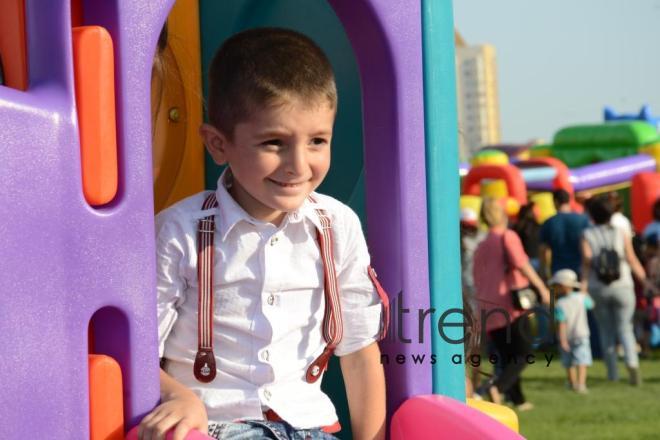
292	282
573	329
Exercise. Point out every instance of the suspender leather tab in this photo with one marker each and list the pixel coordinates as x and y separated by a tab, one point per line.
204	367
317	367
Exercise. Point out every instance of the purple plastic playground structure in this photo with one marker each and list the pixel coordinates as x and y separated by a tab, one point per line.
603	173
65	262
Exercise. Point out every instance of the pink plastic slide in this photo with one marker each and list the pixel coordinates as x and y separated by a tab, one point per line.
440	417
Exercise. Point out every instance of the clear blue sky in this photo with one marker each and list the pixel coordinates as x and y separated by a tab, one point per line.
561	61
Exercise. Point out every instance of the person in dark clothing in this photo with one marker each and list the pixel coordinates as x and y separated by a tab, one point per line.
528	229
560	238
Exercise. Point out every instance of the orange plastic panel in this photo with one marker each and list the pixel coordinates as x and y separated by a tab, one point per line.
643	194
13	49
95	100
106	407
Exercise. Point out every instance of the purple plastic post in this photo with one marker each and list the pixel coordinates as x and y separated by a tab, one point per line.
605	173
610	172
387	40
62	259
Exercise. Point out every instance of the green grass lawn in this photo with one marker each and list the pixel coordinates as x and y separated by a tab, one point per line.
611	410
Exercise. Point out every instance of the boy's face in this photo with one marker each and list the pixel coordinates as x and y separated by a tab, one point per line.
563	290
278	156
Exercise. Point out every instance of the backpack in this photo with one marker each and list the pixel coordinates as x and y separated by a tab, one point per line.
607	263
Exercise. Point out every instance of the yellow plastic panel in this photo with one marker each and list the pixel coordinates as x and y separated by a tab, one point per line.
502	414
176	98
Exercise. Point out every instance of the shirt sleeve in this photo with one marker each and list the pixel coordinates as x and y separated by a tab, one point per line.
559	314
360	303
588	302
585	222
515	252
170	285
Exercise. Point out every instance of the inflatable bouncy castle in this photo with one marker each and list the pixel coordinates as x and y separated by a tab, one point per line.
96	137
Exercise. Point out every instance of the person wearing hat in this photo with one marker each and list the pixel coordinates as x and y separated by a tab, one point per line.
572	328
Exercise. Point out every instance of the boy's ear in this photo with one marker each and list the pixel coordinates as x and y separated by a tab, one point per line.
215	141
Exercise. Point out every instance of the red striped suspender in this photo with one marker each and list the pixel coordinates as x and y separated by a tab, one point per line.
333	326
385	304
205	367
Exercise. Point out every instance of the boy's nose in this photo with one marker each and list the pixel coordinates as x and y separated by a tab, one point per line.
296	163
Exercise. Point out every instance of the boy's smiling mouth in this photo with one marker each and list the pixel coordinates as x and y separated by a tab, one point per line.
286	184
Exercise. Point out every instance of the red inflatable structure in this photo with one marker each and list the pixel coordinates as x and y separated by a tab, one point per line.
511	175
644	192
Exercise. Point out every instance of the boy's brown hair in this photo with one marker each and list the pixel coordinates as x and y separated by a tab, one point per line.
262	66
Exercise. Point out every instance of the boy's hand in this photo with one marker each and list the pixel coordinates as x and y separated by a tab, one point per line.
565	346
185	411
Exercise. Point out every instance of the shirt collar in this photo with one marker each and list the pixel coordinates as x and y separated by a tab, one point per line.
231	213
308	211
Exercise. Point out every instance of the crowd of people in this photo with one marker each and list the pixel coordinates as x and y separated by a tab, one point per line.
574	265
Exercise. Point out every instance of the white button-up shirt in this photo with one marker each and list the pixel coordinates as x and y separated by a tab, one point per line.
269	305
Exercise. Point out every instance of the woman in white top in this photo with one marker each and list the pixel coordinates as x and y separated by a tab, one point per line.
614	298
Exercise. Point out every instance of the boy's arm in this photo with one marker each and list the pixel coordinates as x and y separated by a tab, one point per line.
179	407
562	333
365	388
563	337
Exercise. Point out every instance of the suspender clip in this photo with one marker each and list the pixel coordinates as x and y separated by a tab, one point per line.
319	365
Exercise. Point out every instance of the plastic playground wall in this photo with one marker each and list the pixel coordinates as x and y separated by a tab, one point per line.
66	259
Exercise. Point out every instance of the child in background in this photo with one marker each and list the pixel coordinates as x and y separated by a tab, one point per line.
261	281
652	291
573	329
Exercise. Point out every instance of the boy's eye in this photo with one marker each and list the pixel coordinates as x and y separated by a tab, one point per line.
319	141
273	143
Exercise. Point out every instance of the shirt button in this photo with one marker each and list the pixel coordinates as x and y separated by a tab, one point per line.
271	299
273	240
265	355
